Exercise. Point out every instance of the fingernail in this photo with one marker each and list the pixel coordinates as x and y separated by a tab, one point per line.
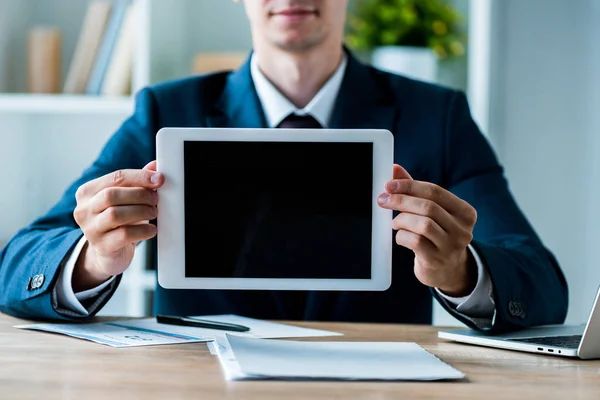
383	198
155	178
393	186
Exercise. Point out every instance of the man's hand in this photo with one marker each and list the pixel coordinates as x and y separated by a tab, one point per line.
113	212
438	227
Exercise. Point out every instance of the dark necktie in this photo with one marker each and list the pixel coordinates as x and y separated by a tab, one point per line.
294	121
291	305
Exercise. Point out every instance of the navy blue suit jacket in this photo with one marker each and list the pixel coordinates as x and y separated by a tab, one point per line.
436	140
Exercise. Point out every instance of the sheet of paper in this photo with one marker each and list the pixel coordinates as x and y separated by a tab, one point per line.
148	332
229	365
212	347
262	329
282	359
258	328
122	333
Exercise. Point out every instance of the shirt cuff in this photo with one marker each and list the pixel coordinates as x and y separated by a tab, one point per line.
65	295
480	303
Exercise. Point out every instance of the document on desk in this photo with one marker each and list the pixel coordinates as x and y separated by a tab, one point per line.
148	332
247	358
263	329
122	333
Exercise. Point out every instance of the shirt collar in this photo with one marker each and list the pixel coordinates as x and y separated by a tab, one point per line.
277	107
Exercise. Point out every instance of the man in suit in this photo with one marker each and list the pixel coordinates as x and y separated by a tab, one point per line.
459	234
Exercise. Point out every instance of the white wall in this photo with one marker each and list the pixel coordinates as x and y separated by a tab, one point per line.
183	28
545	124
40	157
13	163
592	265
11	36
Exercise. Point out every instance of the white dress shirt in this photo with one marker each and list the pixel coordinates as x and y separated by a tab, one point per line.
65	295
478	306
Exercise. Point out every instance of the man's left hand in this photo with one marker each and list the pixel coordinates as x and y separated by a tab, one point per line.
438	227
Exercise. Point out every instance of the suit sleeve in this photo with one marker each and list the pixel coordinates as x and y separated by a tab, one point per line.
529	287
31	262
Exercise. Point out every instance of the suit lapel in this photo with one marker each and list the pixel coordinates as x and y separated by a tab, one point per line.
239	105
363	102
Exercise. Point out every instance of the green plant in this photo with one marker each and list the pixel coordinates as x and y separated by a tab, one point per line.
435	24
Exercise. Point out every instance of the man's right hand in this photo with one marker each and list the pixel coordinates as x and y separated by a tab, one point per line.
114	213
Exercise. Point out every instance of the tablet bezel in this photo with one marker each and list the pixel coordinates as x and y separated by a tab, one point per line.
171	207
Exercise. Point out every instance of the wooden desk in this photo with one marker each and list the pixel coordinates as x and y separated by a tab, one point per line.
45	366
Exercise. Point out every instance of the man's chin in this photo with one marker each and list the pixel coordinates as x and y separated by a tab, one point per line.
297	45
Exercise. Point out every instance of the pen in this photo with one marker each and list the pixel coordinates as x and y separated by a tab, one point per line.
200	323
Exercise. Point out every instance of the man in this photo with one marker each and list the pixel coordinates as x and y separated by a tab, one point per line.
458	233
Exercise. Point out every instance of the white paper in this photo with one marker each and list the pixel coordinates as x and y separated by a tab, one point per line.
212	348
261	329
247	358
122	333
229	365
148	332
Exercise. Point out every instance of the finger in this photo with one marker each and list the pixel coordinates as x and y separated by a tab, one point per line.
401	173
151	166
117	216
418	206
420	245
423	226
425	190
118	238
122	178
123	196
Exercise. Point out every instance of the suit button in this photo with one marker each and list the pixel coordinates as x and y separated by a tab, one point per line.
37	281
516	309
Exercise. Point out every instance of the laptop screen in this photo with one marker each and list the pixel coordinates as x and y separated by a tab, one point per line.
299	210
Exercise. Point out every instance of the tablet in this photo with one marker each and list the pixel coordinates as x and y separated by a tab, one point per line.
274	209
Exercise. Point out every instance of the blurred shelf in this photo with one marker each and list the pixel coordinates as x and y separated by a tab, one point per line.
66	104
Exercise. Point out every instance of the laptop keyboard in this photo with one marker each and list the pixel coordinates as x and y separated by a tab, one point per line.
570	342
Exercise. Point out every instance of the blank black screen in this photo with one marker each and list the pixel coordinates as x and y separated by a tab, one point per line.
278	210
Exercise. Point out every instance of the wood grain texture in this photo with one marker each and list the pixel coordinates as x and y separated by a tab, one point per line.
36	365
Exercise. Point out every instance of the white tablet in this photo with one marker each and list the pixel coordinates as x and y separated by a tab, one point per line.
274	209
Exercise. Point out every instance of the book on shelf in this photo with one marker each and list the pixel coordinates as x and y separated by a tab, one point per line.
44	51
86	49
113	29
117	81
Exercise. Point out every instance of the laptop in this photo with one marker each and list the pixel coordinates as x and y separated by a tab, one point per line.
581	341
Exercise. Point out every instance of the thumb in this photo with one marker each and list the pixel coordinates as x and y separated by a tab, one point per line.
401	173
151	166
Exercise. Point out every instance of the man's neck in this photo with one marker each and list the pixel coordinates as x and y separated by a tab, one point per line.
299	76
